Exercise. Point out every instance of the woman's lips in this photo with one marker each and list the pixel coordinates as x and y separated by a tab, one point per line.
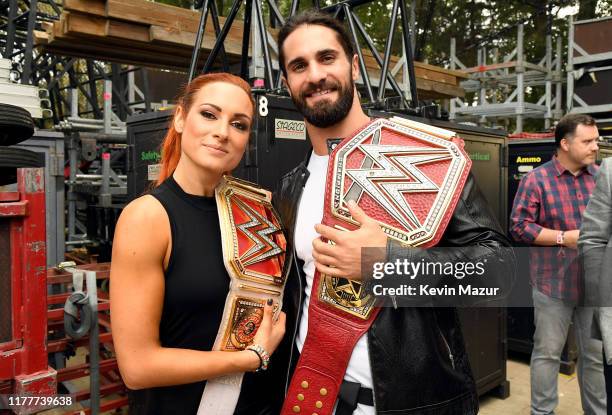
215	149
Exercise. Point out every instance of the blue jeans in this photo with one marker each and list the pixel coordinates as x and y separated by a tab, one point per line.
552	318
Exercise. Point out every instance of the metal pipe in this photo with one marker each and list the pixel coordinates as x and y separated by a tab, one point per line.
351	3
93	121
570	66
196	50
221	38
548	92
11	29
383	73
215	20
246	38
364	71
89	127
105	138
261	26
71	196
409	55
105	196
94	344
257	67
374	51
98	176
74	102
520	80
27	66
108	102
78	242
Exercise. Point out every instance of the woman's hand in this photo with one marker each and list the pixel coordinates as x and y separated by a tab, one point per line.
270	333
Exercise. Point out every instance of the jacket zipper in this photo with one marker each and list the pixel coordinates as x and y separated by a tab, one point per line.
301	292
373	383
448	349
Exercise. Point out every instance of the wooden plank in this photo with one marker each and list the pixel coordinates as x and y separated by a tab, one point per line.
124	30
431	90
76	23
172	36
428	74
143	11
41	37
127	55
453	72
169	17
94	7
79	24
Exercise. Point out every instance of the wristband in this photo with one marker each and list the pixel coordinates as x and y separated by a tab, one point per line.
560	238
264	357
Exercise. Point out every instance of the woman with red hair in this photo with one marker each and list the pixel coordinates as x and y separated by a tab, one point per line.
168	280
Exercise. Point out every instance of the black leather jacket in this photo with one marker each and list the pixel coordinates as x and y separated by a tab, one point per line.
417	354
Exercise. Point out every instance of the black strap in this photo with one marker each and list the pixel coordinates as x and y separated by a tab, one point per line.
351	394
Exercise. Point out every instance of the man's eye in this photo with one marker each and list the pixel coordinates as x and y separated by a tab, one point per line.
208	114
298	67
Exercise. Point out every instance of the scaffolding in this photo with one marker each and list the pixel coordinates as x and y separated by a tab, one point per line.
589	68
500	86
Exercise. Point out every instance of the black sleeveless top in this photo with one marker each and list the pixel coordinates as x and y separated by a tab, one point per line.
196	285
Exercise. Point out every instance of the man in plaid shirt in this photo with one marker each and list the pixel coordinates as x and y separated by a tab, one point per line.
547	212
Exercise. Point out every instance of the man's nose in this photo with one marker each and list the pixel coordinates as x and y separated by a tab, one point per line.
316	73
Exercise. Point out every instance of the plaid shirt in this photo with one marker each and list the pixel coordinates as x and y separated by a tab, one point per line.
550	196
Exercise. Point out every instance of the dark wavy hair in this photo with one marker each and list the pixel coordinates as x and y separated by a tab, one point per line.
313	17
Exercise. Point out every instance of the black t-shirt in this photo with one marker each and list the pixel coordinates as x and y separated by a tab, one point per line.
196	286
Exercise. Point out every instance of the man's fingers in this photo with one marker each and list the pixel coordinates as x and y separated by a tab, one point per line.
324	259
327	270
322	248
357	213
327	232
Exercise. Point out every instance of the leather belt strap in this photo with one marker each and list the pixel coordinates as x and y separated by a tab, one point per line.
409	177
254	256
351	394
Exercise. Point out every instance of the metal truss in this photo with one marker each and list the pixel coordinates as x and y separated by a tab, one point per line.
582	64
263	66
499	87
61	75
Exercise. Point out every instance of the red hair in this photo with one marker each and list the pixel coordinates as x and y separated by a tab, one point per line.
171	146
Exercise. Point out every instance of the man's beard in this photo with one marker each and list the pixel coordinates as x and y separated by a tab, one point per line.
325	113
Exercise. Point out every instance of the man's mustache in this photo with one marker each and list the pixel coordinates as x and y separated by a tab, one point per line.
312	88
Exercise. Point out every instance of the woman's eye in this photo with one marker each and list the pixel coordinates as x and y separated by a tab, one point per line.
240	126
208	114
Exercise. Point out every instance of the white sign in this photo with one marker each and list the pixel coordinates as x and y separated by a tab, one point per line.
291	129
153	171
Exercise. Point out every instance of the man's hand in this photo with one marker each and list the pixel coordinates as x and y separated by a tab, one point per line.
344	258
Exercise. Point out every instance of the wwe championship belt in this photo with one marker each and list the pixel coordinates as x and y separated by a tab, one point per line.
254	249
409	177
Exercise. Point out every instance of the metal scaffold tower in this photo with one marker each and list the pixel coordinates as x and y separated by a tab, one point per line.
56	77
499	87
589	69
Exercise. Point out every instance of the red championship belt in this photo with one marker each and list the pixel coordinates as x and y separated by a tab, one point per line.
254	250
409	177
